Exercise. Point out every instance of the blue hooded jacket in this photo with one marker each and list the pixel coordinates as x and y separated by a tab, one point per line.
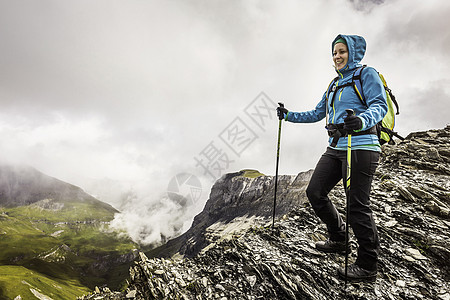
346	98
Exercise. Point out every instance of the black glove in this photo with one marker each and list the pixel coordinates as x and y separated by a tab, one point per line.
352	123
281	112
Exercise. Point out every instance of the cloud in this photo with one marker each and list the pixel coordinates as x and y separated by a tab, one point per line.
419	29
152	222
428	105
365	5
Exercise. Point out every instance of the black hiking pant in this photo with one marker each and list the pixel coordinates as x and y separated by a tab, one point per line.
331	168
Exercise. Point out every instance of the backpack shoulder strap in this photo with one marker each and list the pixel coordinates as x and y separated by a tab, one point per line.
330	86
357	84
389	91
333	88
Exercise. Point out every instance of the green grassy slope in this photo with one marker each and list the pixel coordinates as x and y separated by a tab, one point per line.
61	243
19	281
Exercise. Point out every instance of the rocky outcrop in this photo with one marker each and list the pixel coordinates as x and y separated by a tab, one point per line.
237	201
410	201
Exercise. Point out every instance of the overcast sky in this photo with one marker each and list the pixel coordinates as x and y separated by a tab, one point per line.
121	96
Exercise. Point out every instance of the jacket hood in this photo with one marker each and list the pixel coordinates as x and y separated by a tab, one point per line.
356	49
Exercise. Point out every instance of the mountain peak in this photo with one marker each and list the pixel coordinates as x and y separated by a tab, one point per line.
23	185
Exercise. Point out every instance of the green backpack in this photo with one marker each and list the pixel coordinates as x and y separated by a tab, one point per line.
385	128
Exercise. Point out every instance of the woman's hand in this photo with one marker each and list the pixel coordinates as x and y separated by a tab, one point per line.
282	112
352	123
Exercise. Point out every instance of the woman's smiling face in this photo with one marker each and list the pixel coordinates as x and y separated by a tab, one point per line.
340	55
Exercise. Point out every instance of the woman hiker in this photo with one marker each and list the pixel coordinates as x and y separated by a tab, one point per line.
348	50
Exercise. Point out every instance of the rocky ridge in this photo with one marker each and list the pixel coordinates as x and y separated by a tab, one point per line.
237	201
410	201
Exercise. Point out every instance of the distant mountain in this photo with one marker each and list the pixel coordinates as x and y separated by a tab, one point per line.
24	185
55	239
228	255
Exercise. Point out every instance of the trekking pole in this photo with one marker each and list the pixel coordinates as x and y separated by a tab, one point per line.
280	119
349	112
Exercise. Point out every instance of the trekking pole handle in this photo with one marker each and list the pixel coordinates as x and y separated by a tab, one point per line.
349	112
280	113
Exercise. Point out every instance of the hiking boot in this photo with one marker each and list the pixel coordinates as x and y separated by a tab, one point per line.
330	246
356	273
